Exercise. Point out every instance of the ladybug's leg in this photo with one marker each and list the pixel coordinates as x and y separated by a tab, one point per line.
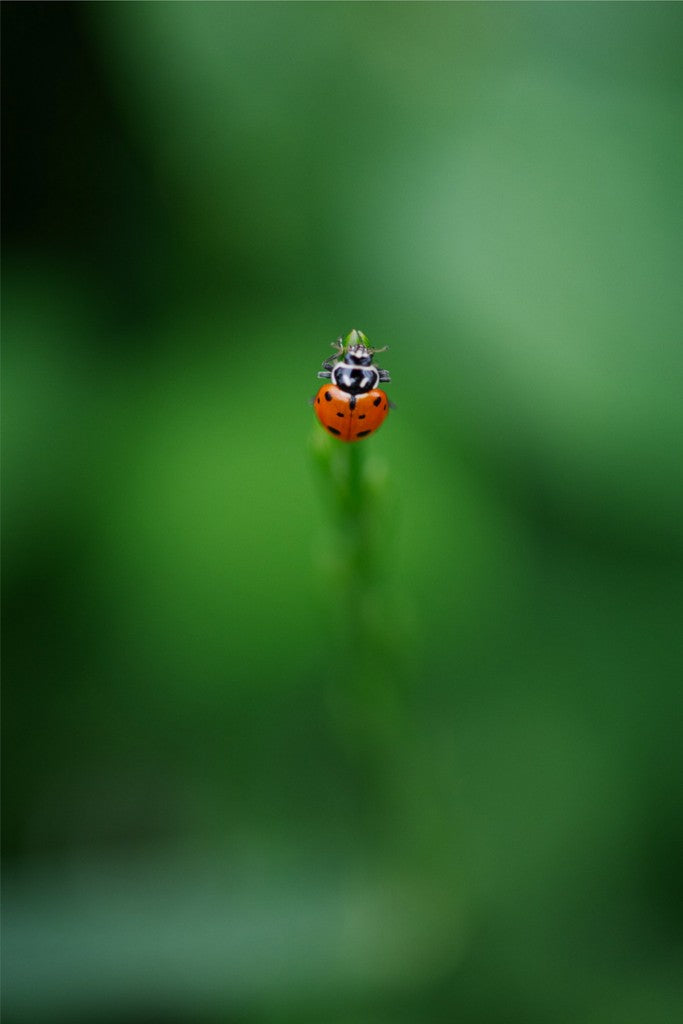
326	371
384	377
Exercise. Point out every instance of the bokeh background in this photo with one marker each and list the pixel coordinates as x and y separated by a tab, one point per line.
216	807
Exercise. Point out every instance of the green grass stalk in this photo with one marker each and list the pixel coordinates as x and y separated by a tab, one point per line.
363	670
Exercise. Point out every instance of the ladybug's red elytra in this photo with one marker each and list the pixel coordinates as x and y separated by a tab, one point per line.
351	406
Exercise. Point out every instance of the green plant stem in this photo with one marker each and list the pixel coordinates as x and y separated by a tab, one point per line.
354	487
355	539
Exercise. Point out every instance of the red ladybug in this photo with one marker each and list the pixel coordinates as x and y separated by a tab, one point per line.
351	406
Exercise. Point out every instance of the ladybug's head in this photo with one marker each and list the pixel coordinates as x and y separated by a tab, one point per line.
359	355
354	349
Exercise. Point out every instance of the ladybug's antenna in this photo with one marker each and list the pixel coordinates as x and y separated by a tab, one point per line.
353	341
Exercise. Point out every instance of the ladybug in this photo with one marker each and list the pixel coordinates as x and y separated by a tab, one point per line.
351	406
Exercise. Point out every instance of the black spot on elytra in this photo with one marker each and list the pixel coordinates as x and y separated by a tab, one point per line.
362	416
332	430
385	405
352	403
363	433
318	401
377	401
340	414
328	396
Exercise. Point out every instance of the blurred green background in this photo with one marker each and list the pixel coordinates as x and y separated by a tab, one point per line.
216	808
